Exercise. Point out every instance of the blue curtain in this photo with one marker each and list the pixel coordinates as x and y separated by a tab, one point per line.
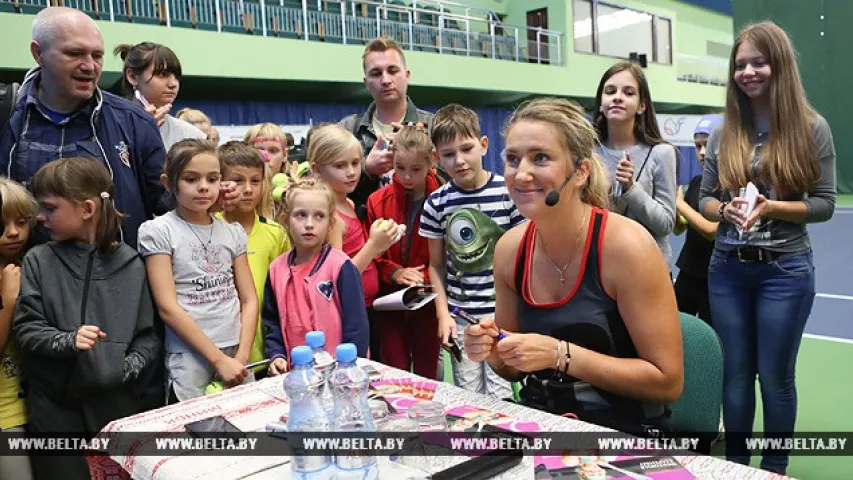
689	165
492	121
250	113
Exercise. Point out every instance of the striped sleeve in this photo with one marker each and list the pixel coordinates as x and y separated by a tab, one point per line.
432	216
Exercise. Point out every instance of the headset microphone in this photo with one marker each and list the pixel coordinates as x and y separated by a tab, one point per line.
553	196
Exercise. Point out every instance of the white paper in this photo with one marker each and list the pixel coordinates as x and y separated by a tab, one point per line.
410	298
751	196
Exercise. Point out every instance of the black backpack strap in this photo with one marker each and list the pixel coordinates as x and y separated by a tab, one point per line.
8	98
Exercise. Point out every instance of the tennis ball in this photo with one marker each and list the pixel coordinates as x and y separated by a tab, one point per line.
304	168
278	193
280	180
213	387
383	223
682	219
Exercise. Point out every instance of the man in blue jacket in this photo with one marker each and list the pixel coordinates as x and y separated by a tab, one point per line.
61	113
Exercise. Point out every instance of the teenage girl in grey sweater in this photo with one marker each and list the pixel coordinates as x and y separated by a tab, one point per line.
644	184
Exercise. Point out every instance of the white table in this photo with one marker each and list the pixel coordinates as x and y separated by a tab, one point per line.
250	407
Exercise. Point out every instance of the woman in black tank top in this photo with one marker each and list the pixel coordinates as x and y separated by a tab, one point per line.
584	297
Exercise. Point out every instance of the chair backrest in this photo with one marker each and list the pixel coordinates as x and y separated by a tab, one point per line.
698	409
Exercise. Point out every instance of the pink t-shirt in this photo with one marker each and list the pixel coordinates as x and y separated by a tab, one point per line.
354	240
297	305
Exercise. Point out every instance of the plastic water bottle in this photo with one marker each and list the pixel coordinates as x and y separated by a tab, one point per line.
304	387
324	363
352	414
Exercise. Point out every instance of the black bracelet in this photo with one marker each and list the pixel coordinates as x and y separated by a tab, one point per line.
720	211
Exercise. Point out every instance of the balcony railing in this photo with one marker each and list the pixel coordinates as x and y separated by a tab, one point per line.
425	25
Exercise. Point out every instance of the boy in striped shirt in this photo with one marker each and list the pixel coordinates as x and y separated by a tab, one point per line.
463	221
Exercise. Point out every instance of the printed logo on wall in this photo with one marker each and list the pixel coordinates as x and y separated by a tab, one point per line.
672	126
678	129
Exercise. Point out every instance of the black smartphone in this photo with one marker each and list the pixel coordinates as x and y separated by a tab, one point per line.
214	426
485	466
453	349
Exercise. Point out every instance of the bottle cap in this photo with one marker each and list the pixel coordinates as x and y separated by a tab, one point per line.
346	352
315	339
301	355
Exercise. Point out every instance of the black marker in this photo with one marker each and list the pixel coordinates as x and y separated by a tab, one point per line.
467	317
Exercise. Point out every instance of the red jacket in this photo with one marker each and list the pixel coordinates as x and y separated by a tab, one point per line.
394	202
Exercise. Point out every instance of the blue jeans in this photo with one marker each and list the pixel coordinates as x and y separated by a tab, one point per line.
760	311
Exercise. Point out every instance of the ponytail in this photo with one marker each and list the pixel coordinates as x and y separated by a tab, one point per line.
109	224
596	190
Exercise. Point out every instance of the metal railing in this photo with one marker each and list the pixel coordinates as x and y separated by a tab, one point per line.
426	25
702	69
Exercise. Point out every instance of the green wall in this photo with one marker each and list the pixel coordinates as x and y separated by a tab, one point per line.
820	32
233	66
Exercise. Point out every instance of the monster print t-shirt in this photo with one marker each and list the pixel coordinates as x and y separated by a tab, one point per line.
470	222
203	269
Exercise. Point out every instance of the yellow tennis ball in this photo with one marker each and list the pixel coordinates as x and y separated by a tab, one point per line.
213	387
383	223
682	219
278	193
303	169
280	180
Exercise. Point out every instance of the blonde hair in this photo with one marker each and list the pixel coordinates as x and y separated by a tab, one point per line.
194	117
329	142
77	180
578	138
266	131
414	139
382	44
285	205
17	201
789	159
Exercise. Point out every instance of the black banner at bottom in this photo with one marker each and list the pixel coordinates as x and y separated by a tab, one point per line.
409	443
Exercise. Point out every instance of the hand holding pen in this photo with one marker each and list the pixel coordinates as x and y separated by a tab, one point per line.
468	318
480	338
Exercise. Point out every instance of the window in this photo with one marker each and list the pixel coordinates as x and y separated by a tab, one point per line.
663	40
615	31
583	26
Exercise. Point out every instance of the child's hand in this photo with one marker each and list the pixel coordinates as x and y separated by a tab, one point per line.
383	234
277	367
87	336
408	276
159	114
228	197
230	370
10	285
446	328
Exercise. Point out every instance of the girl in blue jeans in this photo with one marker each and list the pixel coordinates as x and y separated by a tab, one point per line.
761	274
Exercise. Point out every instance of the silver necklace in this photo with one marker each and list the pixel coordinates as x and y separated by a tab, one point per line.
562	271
209	238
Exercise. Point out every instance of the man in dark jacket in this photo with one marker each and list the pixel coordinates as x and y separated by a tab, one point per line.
61	112
387	79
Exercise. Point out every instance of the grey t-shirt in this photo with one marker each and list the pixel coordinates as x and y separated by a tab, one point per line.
651	200
204	278
174	130
771	233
